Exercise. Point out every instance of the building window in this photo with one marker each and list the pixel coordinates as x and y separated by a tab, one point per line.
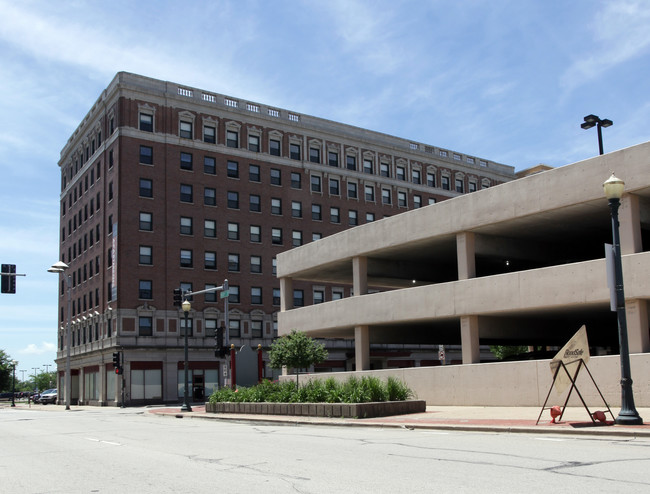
210	196
233	200
186	130
210	297
276	206
256	329
145	255
209	134
334	187
351	162
401	199
274	266
370	193
186	226
276	296
445	183
146	222
276	236
187	287
432	200
144	290
472	186
210	324
232	139
296	182
254	203
459	185
316	213
233	169
385	196
209	228
431	179
296	238
367	166
296	209
319	296
234	325
274	147
384	170
186	258
298	298
333	158
443	153
314	155
294	151
233	296
186	193
254	144
255	233
352	190
276	176
146	122
146	155
335	215
337	293
417	201
210	260
233	231
353	219
186	161
370	217
253	173
110	193
315	183
457	157
186	326
256	264
256	295
145	326
417	176
209	165
401	173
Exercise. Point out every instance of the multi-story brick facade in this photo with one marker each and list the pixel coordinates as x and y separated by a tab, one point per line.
166	186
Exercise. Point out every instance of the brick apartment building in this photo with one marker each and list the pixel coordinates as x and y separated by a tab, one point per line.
166	186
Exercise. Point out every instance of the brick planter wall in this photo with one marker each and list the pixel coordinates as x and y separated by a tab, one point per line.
346	410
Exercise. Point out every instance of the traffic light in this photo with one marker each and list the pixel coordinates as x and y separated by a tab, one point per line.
8	278
220	351
178	297
116	363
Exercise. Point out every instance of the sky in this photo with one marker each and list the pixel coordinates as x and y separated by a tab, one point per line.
504	80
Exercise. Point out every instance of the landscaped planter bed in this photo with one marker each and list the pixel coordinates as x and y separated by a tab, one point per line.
345	410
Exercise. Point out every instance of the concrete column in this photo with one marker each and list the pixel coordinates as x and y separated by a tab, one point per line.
469	339
630	224
465	252
362	347
360	275
286	294
636	312
101	380
82	386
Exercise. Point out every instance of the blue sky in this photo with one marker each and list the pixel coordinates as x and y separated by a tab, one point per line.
505	80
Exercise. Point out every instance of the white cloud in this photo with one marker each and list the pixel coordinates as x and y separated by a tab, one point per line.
34	349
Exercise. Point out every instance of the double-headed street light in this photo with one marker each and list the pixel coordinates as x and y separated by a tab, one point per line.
186	404
590	121
60	268
628	415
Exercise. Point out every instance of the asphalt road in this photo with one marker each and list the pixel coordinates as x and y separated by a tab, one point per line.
111	450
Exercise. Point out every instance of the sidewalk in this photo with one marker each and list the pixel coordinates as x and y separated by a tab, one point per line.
486	419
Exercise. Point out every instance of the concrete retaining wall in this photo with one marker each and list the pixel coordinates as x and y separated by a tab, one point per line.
347	410
513	383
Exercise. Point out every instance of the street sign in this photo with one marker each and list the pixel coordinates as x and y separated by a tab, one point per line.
224	294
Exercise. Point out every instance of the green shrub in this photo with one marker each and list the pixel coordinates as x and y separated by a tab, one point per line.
353	390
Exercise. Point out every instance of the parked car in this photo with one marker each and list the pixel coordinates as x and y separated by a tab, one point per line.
48	396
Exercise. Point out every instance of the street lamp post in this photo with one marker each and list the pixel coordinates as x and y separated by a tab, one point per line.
590	121
14	363
628	415
60	268
186	404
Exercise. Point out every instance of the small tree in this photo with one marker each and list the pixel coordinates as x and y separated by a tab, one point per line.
296	350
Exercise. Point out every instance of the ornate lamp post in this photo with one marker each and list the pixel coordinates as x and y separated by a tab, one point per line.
590	121
186	404
628	415
60	268
14	363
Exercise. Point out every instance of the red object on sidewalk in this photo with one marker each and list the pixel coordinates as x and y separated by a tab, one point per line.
556	411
